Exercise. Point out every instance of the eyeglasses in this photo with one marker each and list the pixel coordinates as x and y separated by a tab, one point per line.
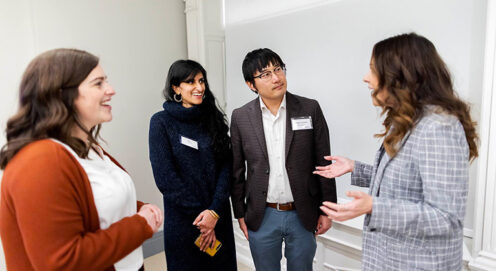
267	75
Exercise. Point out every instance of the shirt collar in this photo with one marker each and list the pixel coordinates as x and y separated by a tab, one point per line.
263	106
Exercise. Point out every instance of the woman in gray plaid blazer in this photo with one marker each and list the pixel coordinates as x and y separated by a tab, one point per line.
418	183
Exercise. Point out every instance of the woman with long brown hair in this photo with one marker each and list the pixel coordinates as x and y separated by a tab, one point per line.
65	203
419	181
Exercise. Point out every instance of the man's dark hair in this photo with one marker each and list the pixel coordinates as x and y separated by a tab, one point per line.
257	60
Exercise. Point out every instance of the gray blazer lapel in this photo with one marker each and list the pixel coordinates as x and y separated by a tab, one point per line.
256	121
380	171
292	109
377	159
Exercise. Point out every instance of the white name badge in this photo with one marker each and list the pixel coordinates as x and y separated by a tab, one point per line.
301	123
189	142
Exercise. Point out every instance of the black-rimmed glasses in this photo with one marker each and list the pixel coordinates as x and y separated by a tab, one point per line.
267	74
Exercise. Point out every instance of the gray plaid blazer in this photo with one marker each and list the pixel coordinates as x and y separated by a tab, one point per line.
419	198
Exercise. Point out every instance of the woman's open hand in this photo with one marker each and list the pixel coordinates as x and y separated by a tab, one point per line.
361	204
342	165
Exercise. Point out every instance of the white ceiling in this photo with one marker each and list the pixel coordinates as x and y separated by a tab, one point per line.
237	11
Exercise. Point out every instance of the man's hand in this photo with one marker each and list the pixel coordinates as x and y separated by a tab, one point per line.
323	225
242	226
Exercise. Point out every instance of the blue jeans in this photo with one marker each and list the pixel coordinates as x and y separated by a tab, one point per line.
266	243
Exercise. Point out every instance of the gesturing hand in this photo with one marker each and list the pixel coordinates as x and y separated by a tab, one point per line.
362	204
342	165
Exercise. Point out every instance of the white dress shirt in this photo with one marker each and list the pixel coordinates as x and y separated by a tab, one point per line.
114	195
279	190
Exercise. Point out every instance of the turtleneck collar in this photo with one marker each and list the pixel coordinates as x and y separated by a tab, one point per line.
178	111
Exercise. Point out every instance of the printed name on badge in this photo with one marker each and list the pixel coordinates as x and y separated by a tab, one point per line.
189	142
301	123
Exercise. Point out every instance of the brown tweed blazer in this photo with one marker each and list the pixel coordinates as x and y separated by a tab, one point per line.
304	150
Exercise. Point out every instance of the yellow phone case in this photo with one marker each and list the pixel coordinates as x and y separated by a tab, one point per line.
210	251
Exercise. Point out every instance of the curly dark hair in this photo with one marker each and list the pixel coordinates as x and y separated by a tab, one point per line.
410	69
47	93
213	117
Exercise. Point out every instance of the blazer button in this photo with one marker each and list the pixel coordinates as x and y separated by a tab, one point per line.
264	193
267	171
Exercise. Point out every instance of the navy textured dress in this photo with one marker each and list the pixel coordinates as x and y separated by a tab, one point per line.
191	181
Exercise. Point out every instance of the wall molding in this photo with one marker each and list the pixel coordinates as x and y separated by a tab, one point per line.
214	37
346	246
195	30
484	245
206	42
338	268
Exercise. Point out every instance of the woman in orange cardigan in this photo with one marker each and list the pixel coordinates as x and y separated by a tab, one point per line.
65	203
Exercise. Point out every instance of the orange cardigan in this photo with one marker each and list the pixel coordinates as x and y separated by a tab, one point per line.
48	219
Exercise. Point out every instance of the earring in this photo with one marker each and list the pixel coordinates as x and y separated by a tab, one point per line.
204	95
180	99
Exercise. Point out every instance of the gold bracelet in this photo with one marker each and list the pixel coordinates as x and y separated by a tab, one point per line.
214	214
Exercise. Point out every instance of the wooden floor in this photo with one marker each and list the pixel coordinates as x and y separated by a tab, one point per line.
157	263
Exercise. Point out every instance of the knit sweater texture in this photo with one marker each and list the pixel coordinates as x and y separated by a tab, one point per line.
187	177
191	180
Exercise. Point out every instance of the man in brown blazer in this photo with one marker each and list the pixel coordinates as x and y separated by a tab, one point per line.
277	140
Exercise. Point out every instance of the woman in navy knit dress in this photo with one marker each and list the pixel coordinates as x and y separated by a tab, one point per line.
191	160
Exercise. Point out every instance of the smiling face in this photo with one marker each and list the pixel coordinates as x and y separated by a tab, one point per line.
191	90
92	104
272	89
372	81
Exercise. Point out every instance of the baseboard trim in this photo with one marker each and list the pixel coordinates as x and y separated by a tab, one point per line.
154	245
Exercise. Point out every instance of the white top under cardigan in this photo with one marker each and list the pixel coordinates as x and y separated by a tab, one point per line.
114	195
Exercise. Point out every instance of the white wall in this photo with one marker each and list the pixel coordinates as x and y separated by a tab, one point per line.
327	45
136	41
205	32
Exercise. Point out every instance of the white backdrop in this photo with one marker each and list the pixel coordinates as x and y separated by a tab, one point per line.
327	47
136	41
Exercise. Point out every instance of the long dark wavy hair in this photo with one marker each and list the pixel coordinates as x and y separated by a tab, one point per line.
213	117
47	93
409	68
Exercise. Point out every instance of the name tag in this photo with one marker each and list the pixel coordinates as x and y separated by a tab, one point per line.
301	123
189	142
